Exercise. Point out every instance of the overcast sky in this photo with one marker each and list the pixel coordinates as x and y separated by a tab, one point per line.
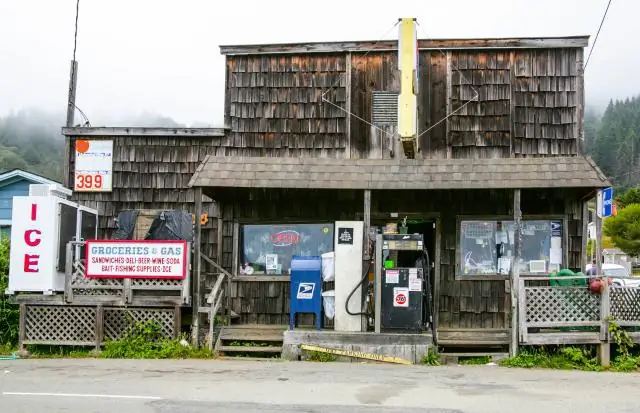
162	56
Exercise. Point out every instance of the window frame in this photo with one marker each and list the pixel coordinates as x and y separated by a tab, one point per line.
238	240
460	276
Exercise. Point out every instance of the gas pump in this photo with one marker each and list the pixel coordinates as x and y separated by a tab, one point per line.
389	292
402	283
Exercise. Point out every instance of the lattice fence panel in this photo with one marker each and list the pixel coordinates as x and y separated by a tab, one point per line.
118	320
152	283
60	325
94	286
547	306
625	304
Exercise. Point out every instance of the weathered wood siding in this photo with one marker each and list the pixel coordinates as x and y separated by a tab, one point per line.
151	173
268	301
529	103
463	304
275	106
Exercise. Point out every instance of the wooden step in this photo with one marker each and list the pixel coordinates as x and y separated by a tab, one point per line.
471	355
251	334
252	349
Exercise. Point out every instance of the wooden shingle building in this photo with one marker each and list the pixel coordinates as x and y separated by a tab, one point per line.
311	137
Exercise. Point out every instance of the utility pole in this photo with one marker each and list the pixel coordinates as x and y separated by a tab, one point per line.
71	109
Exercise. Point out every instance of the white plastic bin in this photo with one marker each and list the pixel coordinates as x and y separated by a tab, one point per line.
328	263
329	303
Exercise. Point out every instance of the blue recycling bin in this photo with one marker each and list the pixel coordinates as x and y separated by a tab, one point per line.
306	286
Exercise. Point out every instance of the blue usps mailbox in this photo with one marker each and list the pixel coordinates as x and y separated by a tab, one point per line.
306	286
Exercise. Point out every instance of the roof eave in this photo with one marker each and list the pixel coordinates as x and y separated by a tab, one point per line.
391	45
142	131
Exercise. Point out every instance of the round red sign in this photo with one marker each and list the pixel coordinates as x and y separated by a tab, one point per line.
401	298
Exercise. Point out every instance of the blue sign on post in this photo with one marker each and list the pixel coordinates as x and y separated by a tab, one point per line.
306	286
607	202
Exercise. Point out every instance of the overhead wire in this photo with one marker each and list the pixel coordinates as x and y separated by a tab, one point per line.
337	82
420	133
604	16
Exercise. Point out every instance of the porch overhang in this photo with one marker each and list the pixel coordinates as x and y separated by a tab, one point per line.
385	174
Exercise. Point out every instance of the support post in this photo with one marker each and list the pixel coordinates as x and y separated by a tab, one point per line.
598	222
197	270
22	334
99	327
378	284
71	108
515	274
347	149
177	321
585	235
604	349
366	252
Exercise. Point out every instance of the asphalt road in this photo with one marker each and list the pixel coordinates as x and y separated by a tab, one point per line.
192	386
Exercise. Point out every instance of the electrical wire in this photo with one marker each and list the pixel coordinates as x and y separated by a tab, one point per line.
597	34
362	60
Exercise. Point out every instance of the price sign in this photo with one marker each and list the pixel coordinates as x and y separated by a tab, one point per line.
93	166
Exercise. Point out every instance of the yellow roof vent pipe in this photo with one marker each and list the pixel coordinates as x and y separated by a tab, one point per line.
408	98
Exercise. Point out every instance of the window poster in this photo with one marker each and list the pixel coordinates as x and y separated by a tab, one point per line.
268	249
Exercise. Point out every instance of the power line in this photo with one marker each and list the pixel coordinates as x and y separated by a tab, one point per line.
597	34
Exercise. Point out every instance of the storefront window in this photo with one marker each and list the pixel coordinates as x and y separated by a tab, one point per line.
487	247
267	249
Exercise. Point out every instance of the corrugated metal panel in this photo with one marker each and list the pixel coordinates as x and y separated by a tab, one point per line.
384	108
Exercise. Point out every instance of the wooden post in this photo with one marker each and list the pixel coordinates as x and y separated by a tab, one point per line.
448	105
71	108
23	326
99	327
604	349
347	149
598	222
197	270
177	321
366	253
515	274
585	235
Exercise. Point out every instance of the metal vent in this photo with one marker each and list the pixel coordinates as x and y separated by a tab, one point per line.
384	108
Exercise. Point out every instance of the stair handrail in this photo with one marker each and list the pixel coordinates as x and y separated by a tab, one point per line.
215	297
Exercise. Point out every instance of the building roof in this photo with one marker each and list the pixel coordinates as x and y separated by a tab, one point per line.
391	45
105	132
267	172
16	174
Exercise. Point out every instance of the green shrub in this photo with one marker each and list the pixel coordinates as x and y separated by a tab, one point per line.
9	313
144	340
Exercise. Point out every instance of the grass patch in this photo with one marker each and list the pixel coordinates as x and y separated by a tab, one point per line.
431	359
319	356
144	340
562	358
475	361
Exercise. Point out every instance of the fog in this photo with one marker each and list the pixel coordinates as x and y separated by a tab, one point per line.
162	57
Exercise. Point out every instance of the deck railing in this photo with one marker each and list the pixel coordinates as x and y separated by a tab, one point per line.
110	291
573	314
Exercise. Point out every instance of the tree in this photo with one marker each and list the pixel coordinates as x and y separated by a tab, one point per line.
624	229
631	196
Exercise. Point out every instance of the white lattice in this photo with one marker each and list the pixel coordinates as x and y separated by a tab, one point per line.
550	306
149	283
82	285
118	320
60	325
625	304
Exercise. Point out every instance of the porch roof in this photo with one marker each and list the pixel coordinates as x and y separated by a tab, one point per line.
315	173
